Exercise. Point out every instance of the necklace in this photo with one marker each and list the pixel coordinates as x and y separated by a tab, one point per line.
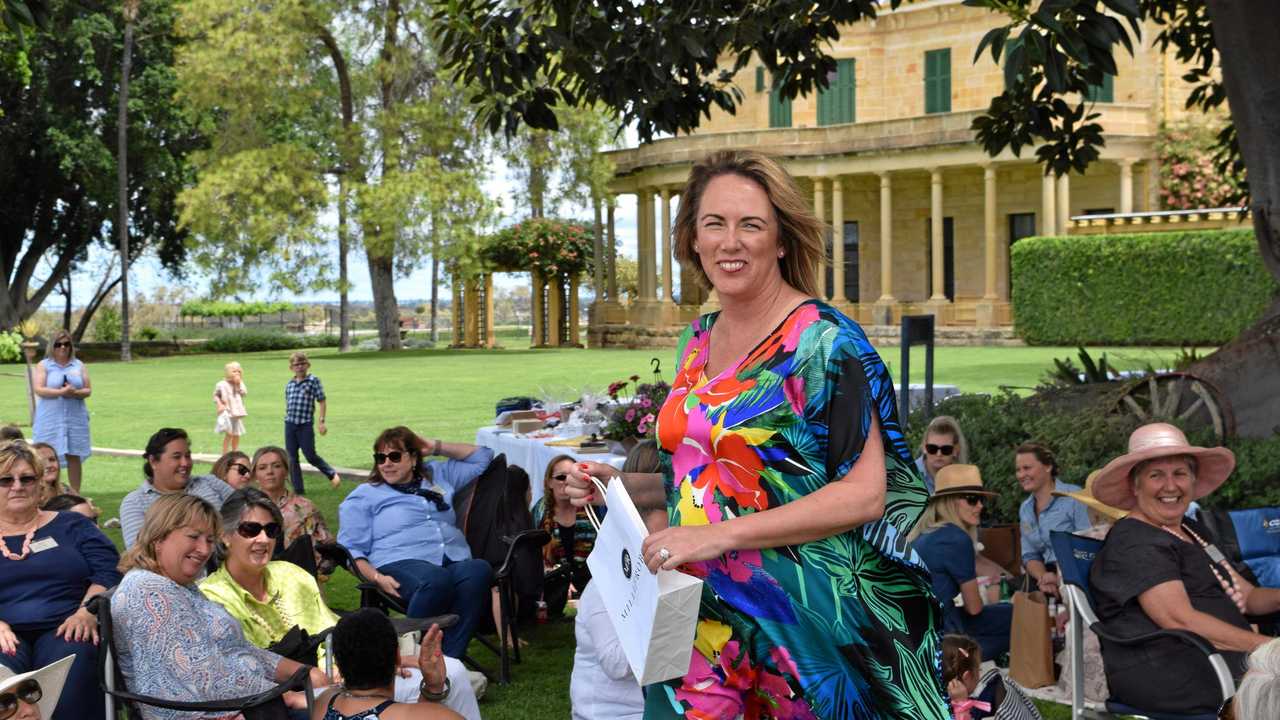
1216	559
26	542
370	696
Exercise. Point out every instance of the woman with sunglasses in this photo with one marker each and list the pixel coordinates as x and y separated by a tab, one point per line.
1044	511
943	444
62	384
33	695
270	597
401	528
947	540
301	517
572	537
51	563
234	468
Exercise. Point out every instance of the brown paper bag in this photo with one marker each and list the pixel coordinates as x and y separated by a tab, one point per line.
1030	641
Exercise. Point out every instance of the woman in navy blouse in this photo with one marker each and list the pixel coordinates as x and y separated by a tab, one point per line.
51	563
401	528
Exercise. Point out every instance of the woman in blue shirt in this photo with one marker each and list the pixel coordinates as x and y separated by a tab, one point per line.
401	529
1044	511
946	539
51	563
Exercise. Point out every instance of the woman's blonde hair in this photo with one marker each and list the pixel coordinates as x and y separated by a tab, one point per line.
166	514
226	369
58	335
800	233
939	512
14	450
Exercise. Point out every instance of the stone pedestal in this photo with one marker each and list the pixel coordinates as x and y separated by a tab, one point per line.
882	312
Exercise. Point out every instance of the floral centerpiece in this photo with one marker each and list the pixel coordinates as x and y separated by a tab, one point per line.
636	413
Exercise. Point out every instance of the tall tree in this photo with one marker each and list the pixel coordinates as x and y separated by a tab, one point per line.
58	181
130	13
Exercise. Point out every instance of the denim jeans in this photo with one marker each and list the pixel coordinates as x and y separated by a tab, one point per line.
458	587
81	696
302	436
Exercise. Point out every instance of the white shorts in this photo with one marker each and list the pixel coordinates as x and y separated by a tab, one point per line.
229	425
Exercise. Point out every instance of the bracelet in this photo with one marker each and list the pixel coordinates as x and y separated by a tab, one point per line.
434	697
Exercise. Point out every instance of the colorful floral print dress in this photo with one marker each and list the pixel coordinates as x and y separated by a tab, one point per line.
840	628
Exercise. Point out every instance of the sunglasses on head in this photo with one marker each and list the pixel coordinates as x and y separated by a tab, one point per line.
28	691
935	449
240	468
250	530
62	344
394	456
974	499
9	480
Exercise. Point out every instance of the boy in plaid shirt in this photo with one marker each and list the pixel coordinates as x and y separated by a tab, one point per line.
301	396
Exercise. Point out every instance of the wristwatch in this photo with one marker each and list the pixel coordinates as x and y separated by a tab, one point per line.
434	697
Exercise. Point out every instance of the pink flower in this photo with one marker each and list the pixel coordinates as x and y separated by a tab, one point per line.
630	414
642	428
647	418
645	402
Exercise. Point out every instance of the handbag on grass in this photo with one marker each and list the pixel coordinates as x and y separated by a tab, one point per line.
655	616
1031	641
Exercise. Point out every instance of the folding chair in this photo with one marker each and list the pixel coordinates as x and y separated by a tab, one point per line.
1075	555
113	684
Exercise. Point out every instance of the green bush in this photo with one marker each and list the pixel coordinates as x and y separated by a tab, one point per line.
148	333
240	341
1076	423
10	346
1170	288
217	308
107	326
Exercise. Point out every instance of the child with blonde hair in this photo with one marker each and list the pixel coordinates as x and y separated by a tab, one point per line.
228	398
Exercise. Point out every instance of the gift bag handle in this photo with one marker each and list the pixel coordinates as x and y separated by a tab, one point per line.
591	509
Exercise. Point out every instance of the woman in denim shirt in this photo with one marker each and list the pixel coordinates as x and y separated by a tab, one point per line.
1044	512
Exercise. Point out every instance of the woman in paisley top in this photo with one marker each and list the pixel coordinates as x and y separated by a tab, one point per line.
788	485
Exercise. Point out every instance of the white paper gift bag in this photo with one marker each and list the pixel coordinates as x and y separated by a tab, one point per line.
655	616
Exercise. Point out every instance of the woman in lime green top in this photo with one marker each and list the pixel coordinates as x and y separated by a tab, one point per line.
271	597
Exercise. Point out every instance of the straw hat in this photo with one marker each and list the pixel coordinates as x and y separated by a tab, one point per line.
1086	496
51	678
1158	440
958	480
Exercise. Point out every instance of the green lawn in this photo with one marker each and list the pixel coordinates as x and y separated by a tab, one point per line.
446	393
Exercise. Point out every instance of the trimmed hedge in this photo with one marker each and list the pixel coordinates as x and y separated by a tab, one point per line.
239	341
1172	288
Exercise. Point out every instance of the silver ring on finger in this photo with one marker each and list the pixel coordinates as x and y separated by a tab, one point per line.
664	554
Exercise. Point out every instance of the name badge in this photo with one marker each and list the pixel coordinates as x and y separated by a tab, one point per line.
46	543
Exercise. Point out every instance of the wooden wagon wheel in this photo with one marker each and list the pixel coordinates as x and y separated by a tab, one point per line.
1182	397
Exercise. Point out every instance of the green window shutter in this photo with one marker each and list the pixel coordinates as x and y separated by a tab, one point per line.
937	81
779	110
836	103
1104	93
760	79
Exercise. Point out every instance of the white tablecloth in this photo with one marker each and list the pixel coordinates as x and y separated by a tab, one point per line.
533	454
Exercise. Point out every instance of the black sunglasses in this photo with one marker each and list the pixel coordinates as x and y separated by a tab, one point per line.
974	500
394	456
62	344
935	449
240	468
250	530
28	691
9	480
560	477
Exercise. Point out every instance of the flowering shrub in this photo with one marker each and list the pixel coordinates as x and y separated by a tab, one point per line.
637	410
553	247
1189	177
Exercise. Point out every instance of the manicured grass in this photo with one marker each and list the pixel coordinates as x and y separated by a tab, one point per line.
445	393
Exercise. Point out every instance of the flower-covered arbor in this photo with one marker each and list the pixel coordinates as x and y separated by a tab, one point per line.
554	252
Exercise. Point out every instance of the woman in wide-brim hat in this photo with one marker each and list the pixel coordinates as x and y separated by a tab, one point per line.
1159	569
33	695
947	540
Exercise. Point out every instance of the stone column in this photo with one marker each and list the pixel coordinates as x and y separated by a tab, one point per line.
539	338
1153	185
574	330
1048	211
555	310
490	336
882	312
837	243
611	253
597	247
820	210
1064	203
986	315
935	224
1126	185
668	278
642	242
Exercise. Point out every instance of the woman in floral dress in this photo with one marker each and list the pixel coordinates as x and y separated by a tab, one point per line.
786	480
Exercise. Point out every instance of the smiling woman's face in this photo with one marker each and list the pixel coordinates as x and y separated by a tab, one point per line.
254	552
1163	488
737	237
184	551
